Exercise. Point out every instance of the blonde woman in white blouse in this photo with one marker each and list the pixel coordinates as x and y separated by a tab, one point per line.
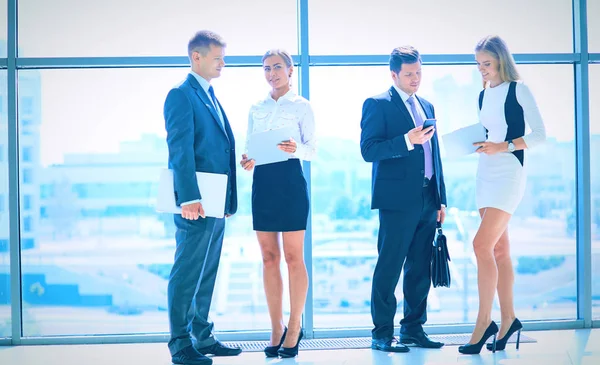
507	107
280	199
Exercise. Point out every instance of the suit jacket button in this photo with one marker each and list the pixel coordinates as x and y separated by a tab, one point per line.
422	171
421	151
227	150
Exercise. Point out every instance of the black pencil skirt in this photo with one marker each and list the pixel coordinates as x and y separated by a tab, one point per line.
279	197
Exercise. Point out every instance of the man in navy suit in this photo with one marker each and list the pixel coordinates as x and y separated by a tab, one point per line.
199	138
408	189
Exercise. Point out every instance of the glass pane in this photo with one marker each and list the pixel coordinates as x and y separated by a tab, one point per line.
5	326
96	256
593	25
345	229
595	188
438	26
64	28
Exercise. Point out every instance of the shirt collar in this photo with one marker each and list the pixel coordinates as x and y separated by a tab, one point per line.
402	94
201	80
287	96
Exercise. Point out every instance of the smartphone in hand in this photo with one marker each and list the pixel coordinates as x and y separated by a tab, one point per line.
429	123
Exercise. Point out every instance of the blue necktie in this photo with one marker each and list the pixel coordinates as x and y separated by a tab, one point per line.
211	91
426	146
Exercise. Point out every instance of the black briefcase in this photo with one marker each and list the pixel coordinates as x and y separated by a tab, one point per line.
440	258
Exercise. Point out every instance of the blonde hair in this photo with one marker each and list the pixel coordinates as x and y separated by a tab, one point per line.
498	49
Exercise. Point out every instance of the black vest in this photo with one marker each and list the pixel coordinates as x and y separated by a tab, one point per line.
513	114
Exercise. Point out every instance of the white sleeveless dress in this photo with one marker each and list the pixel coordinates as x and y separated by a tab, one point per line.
501	179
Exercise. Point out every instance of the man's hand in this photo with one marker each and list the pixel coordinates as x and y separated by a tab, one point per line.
247	164
192	211
491	148
441	214
419	135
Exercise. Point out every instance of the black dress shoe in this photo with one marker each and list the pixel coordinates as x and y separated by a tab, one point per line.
189	356
388	344
420	339
286	352
516	326
271	351
218	349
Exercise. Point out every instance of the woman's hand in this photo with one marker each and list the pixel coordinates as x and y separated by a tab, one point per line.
491	148
247	164
288	146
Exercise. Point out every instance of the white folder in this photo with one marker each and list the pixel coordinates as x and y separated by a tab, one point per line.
262	146
460	142
213	188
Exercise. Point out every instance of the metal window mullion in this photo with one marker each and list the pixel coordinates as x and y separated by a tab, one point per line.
13	177
255	60
303	52
582	163
439	59
125	62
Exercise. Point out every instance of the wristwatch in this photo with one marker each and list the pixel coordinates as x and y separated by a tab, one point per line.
511	146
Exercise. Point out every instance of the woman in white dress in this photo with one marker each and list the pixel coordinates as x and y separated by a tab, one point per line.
280	201
507	107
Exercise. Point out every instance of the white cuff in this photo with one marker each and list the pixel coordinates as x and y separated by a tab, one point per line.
408	144
190	202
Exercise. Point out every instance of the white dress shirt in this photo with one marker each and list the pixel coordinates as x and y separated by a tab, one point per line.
290	110
404	96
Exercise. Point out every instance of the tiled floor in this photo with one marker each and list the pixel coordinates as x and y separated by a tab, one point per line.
553	347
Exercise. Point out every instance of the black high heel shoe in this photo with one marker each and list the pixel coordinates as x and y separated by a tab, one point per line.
473	349
271	351
285	352
516	326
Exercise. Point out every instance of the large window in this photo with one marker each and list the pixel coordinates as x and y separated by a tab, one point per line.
98	255
595	185
438	26
593	25
345	229
5	322
63	28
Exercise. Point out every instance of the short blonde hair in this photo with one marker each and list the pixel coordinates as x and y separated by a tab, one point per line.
498	49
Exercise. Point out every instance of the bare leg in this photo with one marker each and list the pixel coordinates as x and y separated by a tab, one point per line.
293	247
506	279
493	224
273	283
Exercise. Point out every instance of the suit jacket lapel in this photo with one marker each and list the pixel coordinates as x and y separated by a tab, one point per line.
428	113
226	125
397	100
206	101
